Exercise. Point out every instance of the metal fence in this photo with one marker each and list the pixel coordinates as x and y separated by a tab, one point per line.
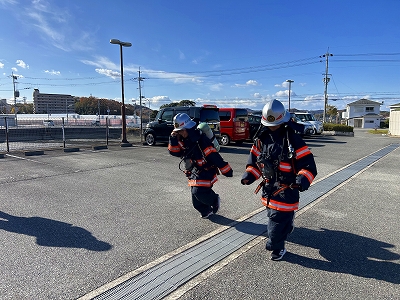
35	134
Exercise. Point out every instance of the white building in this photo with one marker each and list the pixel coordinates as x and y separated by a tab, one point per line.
363	114
394	119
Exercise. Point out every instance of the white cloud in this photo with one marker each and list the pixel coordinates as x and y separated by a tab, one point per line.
6	2
216	87
54	24
42	24
353	98
14	69
252	82
109	73
18	76
1	65
102	62
201	57
181	55
52	72
106	67
174	77
313	97
22	64
248	83
157	99
284	84
284	93
257	95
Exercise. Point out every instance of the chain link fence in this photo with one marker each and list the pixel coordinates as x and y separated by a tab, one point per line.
39	134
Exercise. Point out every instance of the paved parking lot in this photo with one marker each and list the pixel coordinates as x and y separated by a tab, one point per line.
72	222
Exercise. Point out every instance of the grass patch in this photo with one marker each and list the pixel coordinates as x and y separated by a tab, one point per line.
378	131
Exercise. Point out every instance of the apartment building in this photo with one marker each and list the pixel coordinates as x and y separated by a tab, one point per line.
52	103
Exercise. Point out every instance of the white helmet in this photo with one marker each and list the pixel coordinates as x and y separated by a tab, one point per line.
274	113
183	121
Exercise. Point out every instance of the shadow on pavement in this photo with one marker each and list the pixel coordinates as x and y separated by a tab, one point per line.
229	149
52	233
245	226
312	142
323	139
346	253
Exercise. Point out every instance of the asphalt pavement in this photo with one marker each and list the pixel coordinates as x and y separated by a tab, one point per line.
71	224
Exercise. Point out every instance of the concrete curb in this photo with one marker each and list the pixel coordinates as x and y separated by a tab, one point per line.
100	147
32	153
339	133
126	145
71	149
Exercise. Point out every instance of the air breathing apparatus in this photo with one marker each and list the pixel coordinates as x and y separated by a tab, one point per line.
205	128
189	165
268	162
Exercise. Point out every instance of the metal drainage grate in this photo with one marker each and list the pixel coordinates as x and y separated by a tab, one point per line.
161	280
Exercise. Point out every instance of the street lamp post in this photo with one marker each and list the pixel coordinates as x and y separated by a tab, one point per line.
123	116
290	85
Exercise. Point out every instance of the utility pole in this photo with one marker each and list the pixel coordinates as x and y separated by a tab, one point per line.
326	80
134	111
16	94
139	79
149	109
290	85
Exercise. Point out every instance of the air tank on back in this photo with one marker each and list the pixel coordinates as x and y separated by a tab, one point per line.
205	128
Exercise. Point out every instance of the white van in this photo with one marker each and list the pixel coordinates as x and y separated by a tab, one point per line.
307	117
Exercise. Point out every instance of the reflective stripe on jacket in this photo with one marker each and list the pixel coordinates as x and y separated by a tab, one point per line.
302	164
278	205
205	158
203	183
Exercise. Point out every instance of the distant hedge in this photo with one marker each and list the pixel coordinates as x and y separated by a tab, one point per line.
337	127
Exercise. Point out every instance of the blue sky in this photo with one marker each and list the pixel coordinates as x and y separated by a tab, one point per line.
228	53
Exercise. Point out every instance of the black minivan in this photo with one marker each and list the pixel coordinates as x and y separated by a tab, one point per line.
160	129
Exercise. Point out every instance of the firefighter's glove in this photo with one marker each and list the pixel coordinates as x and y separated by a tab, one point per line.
247	179
302	182
229	173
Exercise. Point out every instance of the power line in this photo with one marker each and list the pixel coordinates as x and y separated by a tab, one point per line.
274	65
68	78
370	54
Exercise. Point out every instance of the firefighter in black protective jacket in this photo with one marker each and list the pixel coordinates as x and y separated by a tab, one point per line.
202	162
286	165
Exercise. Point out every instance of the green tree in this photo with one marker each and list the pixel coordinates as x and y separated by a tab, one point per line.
180	103
172	104
86	106
187	103
331	111
25	108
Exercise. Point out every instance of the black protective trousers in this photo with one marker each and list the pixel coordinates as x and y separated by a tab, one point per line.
280	224
203	198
